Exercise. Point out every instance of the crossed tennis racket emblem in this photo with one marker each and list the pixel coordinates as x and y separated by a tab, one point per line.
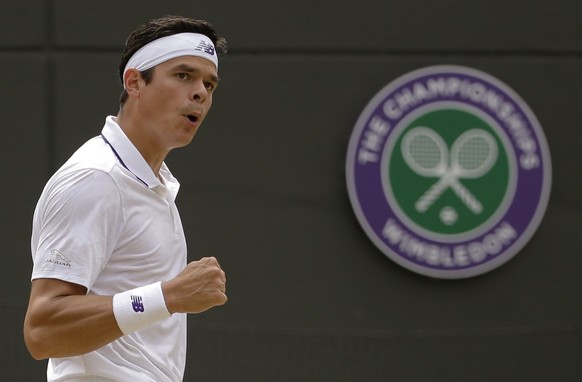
471	156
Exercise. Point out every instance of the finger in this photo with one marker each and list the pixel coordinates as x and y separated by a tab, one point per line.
210	260
222	276
215	261
207	260
220	285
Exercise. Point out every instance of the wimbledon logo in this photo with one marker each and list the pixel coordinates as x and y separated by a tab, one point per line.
448	172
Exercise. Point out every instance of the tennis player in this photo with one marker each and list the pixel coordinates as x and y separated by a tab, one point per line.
111	285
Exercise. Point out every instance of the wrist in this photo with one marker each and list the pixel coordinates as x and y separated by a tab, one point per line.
140	307
168	299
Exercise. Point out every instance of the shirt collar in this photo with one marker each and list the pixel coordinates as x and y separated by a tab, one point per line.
129	156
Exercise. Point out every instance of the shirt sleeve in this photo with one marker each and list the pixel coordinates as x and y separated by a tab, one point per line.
76	226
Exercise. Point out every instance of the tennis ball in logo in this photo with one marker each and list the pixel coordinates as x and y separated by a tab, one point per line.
448	215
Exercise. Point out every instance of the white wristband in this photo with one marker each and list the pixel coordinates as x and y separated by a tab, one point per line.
140	307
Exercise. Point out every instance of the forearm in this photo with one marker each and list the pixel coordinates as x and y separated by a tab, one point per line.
62	320
69	325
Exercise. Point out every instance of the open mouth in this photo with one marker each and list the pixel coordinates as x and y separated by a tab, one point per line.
192	118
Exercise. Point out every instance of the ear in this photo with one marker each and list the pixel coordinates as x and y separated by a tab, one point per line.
131	81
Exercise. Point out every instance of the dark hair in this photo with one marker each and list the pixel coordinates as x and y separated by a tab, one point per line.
161	27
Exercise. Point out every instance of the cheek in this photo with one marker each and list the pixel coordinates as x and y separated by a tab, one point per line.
162	100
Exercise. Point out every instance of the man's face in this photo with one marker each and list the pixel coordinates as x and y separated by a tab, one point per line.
176	101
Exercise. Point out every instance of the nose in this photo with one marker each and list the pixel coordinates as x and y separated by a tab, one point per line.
200	93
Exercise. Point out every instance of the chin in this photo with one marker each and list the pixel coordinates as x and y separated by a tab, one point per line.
185	141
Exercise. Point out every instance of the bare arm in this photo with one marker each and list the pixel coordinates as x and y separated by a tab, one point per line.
63	321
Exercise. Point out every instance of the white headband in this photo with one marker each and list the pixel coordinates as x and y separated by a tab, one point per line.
166	48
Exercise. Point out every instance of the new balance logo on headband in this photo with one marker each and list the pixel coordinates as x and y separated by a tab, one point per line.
203	46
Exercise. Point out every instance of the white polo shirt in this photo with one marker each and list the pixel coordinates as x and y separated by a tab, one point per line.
106	222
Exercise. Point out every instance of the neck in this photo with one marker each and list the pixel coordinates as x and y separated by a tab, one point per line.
151	153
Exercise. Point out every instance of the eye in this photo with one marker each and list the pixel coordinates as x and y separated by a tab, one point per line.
209	86
182	76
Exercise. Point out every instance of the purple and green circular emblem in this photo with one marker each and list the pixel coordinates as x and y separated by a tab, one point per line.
448	172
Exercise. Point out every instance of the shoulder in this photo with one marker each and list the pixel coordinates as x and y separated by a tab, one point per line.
86	176
90	167
94	154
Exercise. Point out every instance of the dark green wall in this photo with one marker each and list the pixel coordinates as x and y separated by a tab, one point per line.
263	185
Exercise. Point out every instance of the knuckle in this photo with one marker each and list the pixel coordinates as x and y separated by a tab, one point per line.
215	272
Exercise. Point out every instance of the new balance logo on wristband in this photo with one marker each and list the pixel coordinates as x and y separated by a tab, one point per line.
137	304
135	316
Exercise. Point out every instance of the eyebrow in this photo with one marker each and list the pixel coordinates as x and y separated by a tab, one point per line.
189	69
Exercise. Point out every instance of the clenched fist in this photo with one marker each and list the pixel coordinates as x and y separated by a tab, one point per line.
199	287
